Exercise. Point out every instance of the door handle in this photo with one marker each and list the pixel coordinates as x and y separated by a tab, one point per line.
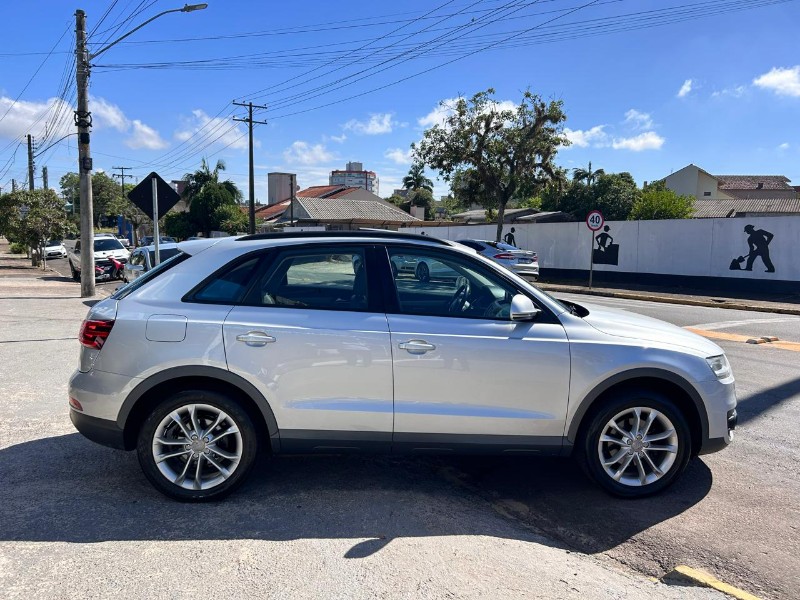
416	346
256	338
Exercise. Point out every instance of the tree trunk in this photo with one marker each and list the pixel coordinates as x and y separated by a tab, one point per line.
501	211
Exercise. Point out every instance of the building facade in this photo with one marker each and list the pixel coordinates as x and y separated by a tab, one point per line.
355	176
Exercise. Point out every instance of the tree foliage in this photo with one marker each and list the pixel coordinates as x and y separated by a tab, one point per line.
654	203
43	220
587	176
416	179
203	209
179	225
507	150
196	182
613	194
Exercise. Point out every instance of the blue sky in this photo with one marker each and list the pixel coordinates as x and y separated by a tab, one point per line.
340	82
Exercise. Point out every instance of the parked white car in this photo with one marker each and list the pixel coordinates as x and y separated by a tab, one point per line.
54	249
309	342
105	247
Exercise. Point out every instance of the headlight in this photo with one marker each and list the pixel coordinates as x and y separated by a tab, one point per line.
720	366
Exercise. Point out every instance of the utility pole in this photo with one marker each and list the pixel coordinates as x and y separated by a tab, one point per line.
83	119
249	120
122	183
45	183
31	168
13	185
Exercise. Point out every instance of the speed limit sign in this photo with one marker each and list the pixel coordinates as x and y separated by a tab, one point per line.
595	220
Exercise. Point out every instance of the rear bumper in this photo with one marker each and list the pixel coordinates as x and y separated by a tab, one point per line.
102	431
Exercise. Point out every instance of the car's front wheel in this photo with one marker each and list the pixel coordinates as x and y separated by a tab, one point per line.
636	445
197	446
423	273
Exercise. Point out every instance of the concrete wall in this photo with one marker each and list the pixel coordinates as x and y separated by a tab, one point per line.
691	181
687	247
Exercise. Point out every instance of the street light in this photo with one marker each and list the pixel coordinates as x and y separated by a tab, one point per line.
83	120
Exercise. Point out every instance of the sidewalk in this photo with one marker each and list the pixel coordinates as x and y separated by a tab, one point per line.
785	303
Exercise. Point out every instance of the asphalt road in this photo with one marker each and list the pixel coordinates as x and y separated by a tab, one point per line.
80	520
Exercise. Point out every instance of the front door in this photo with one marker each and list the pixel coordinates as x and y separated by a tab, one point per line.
464	373
310	337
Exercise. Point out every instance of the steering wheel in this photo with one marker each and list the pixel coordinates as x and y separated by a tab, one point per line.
460	298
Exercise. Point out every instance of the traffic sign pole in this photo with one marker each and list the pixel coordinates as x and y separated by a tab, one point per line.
594	221
156	235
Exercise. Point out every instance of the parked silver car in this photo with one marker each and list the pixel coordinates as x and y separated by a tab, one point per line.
142	260
521	262
308	342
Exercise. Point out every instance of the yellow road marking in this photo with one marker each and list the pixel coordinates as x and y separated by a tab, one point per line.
707	580
735	337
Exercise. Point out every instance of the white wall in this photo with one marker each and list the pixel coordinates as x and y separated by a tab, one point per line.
698	247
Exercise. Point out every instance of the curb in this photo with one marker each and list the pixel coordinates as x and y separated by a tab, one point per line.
674	300
682	572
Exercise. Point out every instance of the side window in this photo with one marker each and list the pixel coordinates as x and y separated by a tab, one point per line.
435	284
228	286
322	279
136	258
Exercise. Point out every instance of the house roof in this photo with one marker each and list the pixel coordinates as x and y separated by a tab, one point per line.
326	191
273	210
751	182
705	209
346	209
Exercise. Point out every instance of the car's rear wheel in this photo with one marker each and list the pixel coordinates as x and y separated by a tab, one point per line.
197	446
76	276
423	273
635	445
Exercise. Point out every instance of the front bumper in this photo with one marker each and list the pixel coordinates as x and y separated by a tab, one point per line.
719	397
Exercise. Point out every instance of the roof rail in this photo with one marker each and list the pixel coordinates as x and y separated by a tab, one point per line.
364	233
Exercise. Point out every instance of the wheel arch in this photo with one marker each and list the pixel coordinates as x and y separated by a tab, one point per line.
157	387
675	387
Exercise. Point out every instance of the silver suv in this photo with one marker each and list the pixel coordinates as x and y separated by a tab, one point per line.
314	343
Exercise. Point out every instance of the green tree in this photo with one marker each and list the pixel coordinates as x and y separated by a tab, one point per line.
107	197
33	217
416	180
230	219
509	149
587	175
179	225
202	210
613	194
197	180
656	203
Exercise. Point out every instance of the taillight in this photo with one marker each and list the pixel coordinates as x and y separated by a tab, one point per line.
93	334
504	256
535	257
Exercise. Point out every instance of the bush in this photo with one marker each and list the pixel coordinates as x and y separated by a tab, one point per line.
18	248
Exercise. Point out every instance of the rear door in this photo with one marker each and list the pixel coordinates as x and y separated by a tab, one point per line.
312	337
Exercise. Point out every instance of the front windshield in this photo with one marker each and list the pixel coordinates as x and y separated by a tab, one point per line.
54	243
105	244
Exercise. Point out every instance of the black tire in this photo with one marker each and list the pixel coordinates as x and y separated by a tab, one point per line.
423	273
76	276
588	444
246	445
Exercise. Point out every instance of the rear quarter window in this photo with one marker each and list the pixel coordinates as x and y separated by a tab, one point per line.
228	285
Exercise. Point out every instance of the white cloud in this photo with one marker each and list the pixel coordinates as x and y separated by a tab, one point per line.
649	140
399	156
639	120
377	124
734	92
22	117
105	114
583	138
306	154
784	146
144	136
685	88
782	81
207	130
339	138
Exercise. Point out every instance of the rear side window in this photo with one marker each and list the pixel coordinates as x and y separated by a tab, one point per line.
142	280
322	280
229	285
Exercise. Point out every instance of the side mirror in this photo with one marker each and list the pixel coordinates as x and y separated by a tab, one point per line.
523	308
